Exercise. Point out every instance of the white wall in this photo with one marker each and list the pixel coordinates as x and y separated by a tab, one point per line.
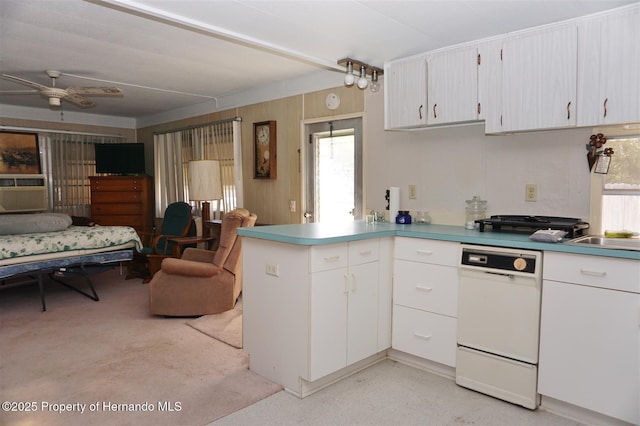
451	165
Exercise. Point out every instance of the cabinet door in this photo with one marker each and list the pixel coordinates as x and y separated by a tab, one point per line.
405	93
328	322
590	349
490	85
609	55
539	79
362	309
452	86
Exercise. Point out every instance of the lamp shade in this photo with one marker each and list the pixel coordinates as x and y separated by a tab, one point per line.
204	180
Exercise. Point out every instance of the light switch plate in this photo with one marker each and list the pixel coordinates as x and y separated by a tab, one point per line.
413	192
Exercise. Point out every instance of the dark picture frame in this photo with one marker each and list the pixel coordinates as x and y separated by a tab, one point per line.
19	153
265	164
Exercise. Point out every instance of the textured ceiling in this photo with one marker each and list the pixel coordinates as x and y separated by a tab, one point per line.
173	54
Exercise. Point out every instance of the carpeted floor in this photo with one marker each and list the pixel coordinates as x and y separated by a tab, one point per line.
114	361
226	327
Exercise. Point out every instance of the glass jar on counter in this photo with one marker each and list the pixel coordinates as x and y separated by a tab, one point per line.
476	209
423	217
403	218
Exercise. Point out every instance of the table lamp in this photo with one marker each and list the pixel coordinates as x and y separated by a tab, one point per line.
204	184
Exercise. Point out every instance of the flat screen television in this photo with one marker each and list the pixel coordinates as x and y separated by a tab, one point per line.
120	158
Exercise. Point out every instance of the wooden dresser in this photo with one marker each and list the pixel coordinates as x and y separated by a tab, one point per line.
123	200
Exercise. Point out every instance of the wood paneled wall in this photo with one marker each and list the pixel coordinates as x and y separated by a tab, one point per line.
269	199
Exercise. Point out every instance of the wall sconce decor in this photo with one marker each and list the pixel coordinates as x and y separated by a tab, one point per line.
364	70
602	158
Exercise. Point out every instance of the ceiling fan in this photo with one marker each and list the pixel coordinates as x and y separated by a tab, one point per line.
75	95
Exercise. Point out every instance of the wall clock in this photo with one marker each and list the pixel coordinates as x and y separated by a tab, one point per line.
264	147
332	101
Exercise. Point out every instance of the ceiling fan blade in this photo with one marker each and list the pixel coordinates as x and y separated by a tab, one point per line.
95	91
18	92
23	81
78	100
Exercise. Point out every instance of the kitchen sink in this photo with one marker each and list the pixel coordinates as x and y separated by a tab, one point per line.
609	243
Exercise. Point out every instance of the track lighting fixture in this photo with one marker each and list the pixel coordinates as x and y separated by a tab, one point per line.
375	85
349	78
362	82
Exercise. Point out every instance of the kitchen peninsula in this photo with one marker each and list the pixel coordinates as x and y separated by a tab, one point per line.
319	302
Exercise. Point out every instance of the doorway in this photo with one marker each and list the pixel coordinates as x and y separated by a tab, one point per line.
333	171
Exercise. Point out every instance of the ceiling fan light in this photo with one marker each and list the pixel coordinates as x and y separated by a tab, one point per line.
362	81
54	101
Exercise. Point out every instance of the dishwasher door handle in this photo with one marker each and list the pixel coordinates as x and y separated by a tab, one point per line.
502	274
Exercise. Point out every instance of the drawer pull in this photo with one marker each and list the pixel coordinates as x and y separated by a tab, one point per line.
593	273
422	336
346	284
332	258
365	252
425	252
423	288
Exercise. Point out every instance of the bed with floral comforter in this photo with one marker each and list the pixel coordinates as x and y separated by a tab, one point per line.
73	240
71	250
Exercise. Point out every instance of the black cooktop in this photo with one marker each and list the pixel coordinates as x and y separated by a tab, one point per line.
529	224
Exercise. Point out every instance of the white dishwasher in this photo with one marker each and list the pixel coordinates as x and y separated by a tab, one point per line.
499	322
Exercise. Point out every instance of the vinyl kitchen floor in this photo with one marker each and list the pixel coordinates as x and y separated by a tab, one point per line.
390	393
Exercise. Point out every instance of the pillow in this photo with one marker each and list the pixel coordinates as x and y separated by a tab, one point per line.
32	223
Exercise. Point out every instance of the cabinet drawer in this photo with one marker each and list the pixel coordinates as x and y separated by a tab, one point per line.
364	251
116	209
117	185
330	256
596	271
423	334
427	287
119	220
116	197
427	251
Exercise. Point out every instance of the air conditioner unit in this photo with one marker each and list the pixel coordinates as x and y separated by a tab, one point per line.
23	193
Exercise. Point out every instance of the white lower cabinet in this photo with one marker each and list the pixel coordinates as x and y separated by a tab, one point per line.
343	306
425	299
590	334
311	311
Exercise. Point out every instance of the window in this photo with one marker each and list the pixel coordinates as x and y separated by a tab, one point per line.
68	161
621	186
213	141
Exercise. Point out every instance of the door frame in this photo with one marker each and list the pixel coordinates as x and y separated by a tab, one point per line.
302	155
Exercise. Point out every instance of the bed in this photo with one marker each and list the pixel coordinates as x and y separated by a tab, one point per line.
56	248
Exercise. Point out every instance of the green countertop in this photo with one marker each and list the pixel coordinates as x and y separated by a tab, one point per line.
311	234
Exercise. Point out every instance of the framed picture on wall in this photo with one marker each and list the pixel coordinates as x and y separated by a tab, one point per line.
19	153
264	148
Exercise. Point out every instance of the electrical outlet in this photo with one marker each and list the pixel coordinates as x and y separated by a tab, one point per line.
413	192
272	269
292	206
531	192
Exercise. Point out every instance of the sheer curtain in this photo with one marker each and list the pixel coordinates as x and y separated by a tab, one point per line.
68	159
213	141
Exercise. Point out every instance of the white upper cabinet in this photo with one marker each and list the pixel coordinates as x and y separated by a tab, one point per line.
405	93
490	85
539	79
452	86
609	68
